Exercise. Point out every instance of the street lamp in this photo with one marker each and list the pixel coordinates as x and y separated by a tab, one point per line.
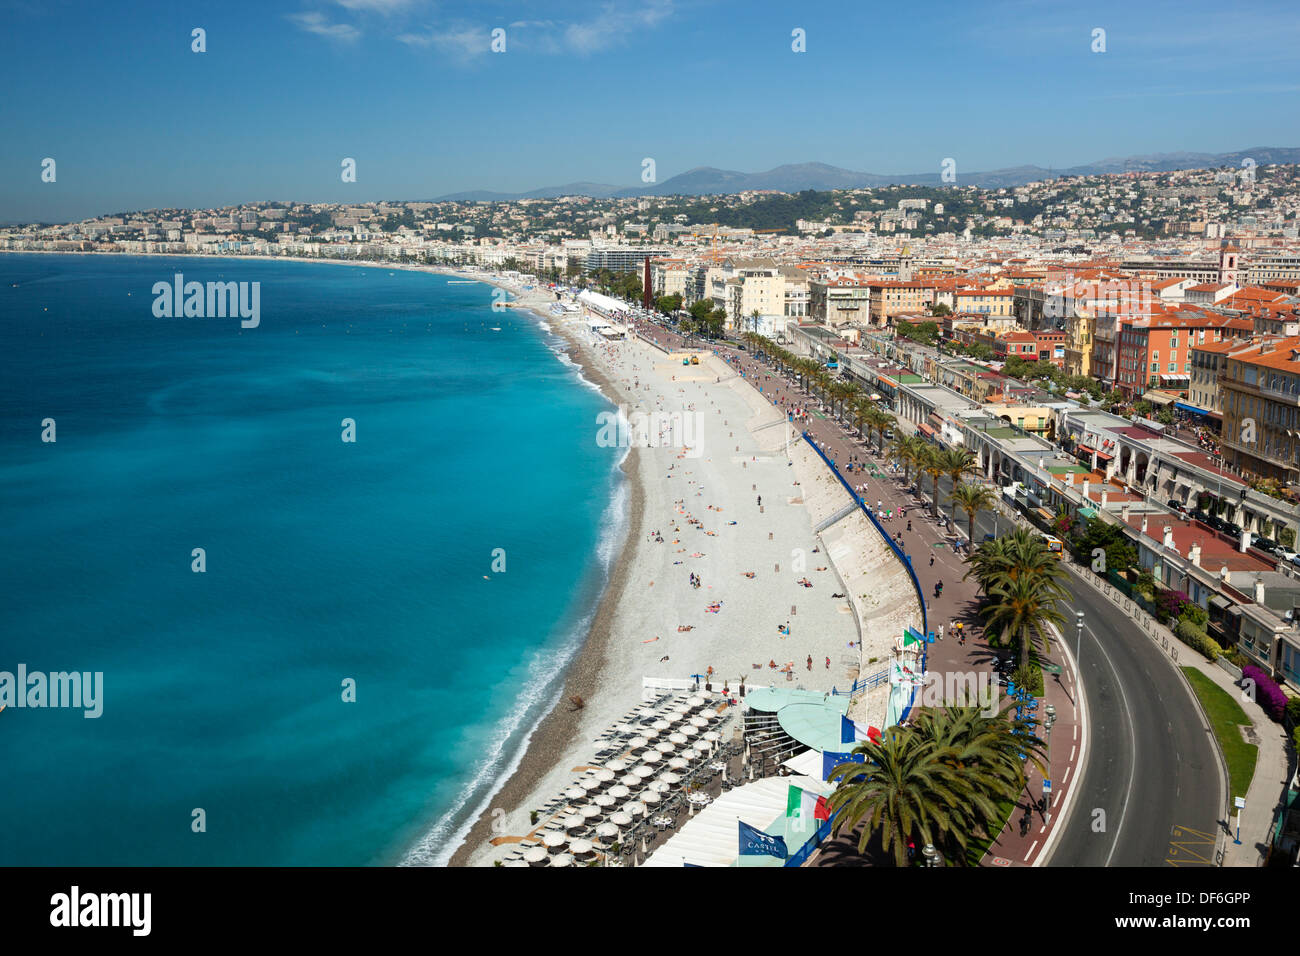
932	856
1078	645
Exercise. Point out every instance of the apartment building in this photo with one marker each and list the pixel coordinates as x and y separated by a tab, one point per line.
984	301
1079	332
889	299
1261	409
1156	352
839	301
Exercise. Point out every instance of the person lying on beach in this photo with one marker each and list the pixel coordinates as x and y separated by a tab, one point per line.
837	595
819	569
685	627
805	582
748	574
663	659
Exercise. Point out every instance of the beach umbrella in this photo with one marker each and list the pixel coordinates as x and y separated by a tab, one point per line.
603	800
642	772
664	747
636	809
690	730
608	830
514	863
650	733
553	840
580	847
620	818
699	722
650	758
618	766
590	812
636	743
678	714
620	791
589	783
678	763
669	778
677	738
605	776
660	725
695	702
535	855
659	786
572	822
627	780
703	748
575	792
712	735
562	860
650	798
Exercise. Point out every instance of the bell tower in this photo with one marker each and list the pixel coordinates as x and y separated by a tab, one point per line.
1228	256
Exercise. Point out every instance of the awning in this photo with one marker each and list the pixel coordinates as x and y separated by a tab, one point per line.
1085	449
1191	408
1219	602
1087	512
925	429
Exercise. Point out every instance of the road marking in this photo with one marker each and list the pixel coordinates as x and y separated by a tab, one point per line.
1066	776
1075	736
1072	750
1186	847
1031	850
1132	735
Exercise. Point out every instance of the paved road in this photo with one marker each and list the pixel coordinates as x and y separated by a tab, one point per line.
1151	791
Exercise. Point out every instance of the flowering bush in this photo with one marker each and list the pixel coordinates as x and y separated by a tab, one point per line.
1170	604
1267	694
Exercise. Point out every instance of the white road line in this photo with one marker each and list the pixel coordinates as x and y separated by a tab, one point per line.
1031	851
1132	736
1072	749
1066	776
1075	735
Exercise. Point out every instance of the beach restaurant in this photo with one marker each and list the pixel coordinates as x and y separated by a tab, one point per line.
789	827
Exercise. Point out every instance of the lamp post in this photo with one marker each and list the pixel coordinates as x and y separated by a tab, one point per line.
932	856
1047	797
1078	645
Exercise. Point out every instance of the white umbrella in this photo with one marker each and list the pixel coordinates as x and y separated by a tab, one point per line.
575	793
589	783
695	702
678	714
590	811
628	780
664	747
636	743
690	730
603	800
572	822
678	763
605	776
535	855
698	722
618	766
650	797
562	860
620	819
677	738
702	749
580	847
642	772
514	863
712	735
669	778
555	839
620	791
607	830
659	786
636	809
651	757
660	724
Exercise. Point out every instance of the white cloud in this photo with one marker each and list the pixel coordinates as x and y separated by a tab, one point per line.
316	23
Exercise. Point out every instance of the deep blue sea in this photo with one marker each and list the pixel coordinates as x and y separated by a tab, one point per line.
325	560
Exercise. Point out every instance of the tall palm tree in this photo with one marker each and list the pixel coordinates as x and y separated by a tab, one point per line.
972	498
907	450
957	462
934	465
1023	582
880	421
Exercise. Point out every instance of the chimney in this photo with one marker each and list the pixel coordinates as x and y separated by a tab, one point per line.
1168	541
1259	591
1105	496
1194	555
1087	489
1123	512
1245	541
1144	524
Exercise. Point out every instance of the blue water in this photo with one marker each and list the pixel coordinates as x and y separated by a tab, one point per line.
325	560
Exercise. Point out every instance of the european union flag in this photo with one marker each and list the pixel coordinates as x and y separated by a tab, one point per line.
831	760
754	842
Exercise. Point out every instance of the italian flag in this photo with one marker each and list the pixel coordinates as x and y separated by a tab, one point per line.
802	805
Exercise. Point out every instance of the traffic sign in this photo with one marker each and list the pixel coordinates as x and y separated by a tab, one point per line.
1047	786
1053	668
1239	802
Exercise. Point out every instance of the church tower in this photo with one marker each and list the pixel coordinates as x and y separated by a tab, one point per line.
1228	257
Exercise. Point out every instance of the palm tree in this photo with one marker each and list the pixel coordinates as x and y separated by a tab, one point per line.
934	465
972	498
901	790
956	463
907	449
1023	582
880	421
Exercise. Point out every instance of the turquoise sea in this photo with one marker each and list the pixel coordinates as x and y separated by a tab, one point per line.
325	560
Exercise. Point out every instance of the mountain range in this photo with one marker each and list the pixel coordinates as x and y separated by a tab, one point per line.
709	180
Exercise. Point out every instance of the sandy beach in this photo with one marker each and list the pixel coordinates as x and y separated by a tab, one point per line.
703	499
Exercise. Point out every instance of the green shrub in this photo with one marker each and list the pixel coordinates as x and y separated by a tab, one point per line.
1198	640
1293	710
1196	614
1030	678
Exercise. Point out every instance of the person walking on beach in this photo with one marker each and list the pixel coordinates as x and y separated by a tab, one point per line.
810	662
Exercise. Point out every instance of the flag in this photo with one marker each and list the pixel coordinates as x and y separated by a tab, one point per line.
754	842
910	637
831	760
850	733
793	803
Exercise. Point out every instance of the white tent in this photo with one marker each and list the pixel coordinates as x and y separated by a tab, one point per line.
806	764
712	837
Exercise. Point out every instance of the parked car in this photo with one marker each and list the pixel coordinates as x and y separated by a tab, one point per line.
1227	527
1295	559
1176	505
1267	545
1200	515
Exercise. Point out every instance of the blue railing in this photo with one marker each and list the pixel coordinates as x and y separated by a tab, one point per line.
866	683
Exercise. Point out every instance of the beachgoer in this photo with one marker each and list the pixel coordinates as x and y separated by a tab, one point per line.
810	662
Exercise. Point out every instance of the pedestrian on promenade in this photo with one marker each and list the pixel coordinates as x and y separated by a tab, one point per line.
931	559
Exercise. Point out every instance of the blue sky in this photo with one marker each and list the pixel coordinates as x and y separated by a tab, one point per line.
585	91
